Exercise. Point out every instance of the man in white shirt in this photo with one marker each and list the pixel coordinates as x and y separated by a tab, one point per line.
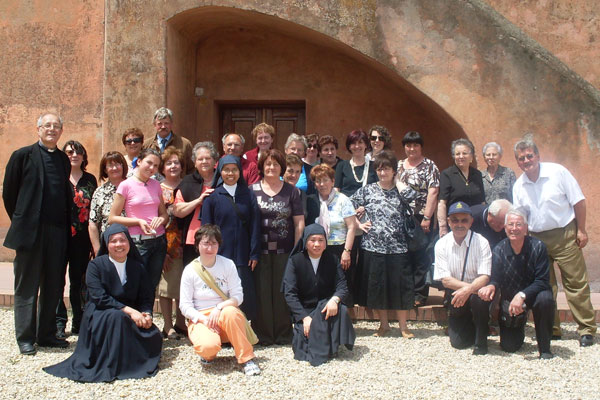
463	262
555	206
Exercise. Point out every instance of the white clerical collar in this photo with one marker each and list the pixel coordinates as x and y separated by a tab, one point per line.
230	189
315	263
120	267
46	148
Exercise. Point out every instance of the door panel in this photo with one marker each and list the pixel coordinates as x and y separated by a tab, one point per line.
241	119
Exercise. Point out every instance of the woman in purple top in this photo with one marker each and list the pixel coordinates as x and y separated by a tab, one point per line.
141	197
282	223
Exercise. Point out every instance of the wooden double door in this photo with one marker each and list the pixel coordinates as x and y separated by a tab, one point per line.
242	118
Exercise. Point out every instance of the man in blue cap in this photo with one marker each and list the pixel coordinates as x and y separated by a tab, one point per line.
463	262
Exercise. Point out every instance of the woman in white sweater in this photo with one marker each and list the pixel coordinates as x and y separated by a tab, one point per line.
213	318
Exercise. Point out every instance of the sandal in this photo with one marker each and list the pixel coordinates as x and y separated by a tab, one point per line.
382	332
172	334
406	334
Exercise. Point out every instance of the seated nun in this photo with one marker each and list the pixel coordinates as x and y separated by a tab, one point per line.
117	339
315	289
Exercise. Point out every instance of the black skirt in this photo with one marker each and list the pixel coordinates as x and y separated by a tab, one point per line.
110	347
386	282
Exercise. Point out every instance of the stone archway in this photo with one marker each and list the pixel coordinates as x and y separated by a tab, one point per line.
217	54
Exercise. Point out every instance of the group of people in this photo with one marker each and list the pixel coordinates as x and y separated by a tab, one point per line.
277	247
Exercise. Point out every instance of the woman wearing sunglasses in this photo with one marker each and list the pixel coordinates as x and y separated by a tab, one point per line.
380	140
133	139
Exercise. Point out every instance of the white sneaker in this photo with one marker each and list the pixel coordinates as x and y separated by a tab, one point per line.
251	368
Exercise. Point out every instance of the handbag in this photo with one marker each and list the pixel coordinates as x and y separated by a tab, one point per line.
512	321
210	281
417	239
453	311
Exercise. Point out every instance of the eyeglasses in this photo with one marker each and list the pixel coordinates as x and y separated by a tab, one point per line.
134	140
207	244
375	138
528	156
461	220
312	146
51	126
514	225
72	152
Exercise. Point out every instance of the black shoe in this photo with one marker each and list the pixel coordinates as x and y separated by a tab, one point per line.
54	342
586	340
182	332
75	330
27	349
556	337
480	350
546	356
60	332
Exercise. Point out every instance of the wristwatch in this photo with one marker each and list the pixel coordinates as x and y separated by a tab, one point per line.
426	218
348	250
522	295
337	301
219	307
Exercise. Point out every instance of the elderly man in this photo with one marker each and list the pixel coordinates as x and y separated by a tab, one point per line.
488	221
463	264
233	144
551	198
163	122
520	270
37	197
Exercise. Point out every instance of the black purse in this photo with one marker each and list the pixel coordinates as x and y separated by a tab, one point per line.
512	321
417	239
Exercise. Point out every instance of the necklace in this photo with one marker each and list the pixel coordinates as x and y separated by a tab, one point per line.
145	182
365	173
463	176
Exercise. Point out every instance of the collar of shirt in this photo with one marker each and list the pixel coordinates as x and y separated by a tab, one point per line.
46	148
465	241
544	173
159	139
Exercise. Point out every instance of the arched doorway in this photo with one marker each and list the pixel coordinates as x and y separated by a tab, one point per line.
219	56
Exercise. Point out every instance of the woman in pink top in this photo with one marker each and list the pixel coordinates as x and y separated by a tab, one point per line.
141	197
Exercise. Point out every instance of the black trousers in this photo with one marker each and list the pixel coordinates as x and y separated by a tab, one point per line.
39	268
78	257
468	325
421	264
542	306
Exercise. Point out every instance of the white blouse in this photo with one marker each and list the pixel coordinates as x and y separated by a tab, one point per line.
195	295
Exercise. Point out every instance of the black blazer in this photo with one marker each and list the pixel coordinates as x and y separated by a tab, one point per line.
22	194
303	289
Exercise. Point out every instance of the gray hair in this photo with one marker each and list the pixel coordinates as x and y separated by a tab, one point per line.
163	113
516	212
499	205
294	137
39	121
526	143
210	146
462	142
233	133
492	144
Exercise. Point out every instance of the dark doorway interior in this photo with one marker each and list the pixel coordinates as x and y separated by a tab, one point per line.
242	118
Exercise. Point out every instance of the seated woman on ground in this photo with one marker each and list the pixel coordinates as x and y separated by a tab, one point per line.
315	289
210	294
117	339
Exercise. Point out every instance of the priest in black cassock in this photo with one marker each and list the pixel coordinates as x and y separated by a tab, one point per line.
315	289
117	339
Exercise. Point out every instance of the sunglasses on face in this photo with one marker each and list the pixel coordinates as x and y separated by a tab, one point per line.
375	138
71	152
134	140
312	146
526	156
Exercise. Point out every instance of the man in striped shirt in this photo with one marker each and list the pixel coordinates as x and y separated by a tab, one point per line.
463	262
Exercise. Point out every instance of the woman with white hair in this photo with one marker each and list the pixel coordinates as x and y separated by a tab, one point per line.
498	181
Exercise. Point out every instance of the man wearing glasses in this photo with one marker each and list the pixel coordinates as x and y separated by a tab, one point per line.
163	123
552	199
37	196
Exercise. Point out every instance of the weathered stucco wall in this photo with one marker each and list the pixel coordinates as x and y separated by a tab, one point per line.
52	60
459	58
570	29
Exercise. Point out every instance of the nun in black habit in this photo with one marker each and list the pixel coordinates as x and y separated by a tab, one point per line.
315	289
117	339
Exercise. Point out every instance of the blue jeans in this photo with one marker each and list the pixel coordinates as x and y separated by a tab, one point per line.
153	252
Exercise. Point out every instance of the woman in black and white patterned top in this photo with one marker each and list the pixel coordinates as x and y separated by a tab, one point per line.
387	278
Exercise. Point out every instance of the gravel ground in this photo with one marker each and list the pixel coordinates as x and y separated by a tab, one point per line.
391	367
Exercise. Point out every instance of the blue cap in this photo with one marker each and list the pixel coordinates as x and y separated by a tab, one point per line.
459	208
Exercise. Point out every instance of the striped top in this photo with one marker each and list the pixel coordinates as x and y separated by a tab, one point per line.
450	257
